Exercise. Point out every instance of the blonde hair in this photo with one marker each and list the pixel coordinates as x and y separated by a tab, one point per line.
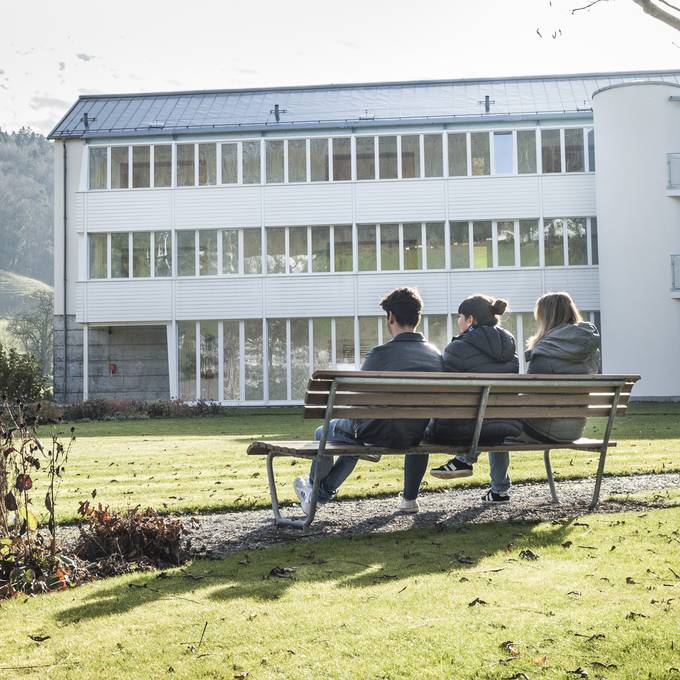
553	310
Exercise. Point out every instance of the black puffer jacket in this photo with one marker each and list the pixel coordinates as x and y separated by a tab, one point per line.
480	349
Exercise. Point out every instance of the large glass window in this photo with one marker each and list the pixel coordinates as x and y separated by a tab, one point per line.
529	327
321	249
298	256
141	166
594	255
436	245
366	248
230	254
434	155
410	156
526	152
551	151
276	258
509	322
577	240
506	243
299	357
274	152
120	256
119	167
185	165
186	359
458	154
480	153
503	152
207	164
162	243
460	245
98	163
528	243
368	335
413	246
342	159
365	151
344	343
252	251
207	252
98	256
186	253
482	245
387	157
437	332
297	160
591	150
162	165
209	353
251	162
141	254
389	247
232	360
318	151
573	150
230	163
278	372
323	353
342	246
553	242
253	359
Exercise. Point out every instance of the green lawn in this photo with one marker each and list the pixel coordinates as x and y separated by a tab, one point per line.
200	464
603	595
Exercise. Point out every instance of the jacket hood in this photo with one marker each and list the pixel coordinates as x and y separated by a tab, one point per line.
493	341
575	342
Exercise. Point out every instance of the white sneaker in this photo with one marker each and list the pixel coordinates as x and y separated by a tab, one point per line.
303	490
408	507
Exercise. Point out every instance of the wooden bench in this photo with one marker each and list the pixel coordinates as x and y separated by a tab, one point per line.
389	395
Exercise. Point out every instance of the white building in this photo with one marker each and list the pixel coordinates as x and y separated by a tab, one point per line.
222	245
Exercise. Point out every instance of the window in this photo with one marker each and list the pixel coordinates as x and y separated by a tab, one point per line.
210	373
252	251
298	256
120	256
387	157
207	164
162	165
482	245
594	255
141	167
503	152
460	245
251	162
276	259
342	159
299	357
318	152
573	150
435	244
141	254
323	352
229	164
162	243
526	152
321	249
529	326
230	255
528	243
434	155
368	335
577	241
342	245
232	360
437	333
480	154
274	152
207	252
410	156
186	359
278	363
344	342
509	322
551	151
297	160
98	256
366	248
413	246
591	150
506	243
98	171
119	167
553	242
253	359
458	154
185	165
389	247
365	151
186	253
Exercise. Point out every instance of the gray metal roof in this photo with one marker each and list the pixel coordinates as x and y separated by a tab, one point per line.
338	106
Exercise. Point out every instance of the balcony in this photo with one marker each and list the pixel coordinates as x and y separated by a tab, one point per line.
675	276
673	174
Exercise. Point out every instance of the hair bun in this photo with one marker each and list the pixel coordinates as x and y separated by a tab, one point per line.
499	306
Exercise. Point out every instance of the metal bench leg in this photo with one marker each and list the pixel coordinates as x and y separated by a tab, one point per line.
551	479
279	519
598	479
605	444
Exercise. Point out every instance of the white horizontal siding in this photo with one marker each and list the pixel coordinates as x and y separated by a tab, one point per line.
432	287
519	287
79	212
238	206
308	204
219	298
303	296
493	198
128	210
402	200
569	195
76	302
581	283
108	301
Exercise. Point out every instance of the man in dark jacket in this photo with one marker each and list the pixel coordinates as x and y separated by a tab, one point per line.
406	351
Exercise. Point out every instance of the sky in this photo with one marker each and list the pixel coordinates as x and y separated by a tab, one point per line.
52	51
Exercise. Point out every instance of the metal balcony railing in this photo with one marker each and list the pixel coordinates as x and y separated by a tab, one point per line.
673	165
675	270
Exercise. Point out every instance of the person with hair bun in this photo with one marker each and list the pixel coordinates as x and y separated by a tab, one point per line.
481	347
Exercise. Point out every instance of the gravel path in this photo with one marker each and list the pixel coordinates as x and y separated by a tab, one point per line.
222	534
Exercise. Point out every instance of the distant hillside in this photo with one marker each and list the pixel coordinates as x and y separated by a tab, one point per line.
13	287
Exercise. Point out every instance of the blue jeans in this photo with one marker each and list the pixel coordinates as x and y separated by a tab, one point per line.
499	462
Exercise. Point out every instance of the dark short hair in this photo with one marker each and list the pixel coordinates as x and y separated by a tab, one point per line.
485	309
405	304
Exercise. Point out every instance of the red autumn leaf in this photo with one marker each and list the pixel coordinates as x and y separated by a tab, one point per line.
23	482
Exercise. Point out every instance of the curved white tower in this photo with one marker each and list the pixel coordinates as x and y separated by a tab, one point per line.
637	126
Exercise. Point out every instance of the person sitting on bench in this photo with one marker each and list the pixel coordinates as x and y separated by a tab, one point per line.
408	350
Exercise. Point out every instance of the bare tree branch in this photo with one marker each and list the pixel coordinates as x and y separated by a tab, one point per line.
658	13
588	6
668	4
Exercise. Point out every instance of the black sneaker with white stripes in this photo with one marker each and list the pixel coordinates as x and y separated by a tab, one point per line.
452	470
492	497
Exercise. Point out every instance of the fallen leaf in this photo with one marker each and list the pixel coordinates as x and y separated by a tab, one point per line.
476	601
567	544
465	559
603	664
630	580
635	615
540	660
39	638
528	555
581	672
281	572
509	647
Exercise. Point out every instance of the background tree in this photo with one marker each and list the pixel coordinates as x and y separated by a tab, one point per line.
33	327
